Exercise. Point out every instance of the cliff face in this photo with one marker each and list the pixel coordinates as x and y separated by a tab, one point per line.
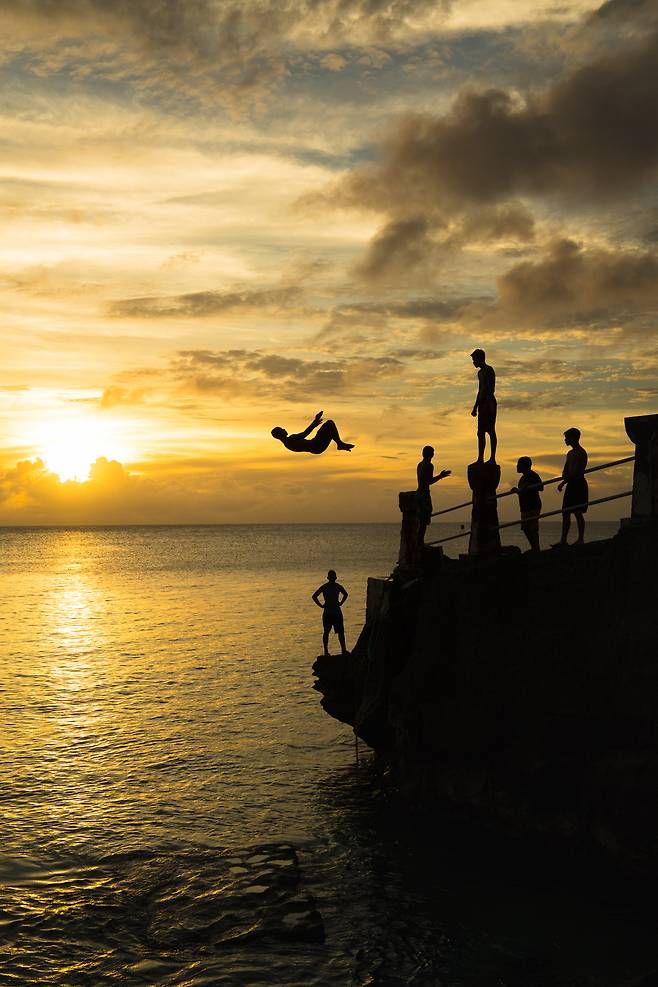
522	688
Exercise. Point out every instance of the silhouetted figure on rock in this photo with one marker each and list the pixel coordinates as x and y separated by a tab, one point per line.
576	493
485	407
334	596
425	474
297	442
529	500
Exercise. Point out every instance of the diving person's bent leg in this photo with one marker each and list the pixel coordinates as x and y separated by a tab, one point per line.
325	435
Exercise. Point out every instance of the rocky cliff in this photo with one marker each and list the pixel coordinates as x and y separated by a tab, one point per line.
520	688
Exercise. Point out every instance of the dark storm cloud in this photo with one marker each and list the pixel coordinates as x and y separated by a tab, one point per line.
403	246
409	251
623	13
199	304
591	134
588	138
570	284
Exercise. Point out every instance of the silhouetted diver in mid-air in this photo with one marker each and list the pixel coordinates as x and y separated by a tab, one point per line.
425	474
332	616
324	435
485	406
577	491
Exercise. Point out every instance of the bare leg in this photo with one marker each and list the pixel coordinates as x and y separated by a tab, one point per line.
526	532
566	524
326	434
341	638
482	438
580	521
325	641
493	440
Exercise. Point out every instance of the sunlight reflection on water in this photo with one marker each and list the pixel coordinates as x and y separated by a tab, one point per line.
157	704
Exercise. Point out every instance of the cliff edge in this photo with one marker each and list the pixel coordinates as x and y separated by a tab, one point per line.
520	688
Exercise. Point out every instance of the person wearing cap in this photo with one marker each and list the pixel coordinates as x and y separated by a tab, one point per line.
485	407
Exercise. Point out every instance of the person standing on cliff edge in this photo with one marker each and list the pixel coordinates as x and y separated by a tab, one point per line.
485	407
332	617
425	474
576	494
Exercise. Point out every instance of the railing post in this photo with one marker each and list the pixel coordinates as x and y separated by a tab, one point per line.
643	431
483	479
410	548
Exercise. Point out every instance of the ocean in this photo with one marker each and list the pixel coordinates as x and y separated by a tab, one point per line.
177	808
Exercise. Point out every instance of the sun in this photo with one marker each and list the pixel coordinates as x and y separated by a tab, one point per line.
70	446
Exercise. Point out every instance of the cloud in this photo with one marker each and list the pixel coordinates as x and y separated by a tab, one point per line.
589	134
408	252
571	284
257	375
116	396
200	304
403	250
213	491
567	287
442	182
187	45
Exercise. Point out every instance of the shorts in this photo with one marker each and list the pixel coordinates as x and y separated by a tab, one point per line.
424	503
576	493
487	416
530	521
333	619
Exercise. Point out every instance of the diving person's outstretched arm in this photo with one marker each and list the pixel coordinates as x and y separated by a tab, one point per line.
314	424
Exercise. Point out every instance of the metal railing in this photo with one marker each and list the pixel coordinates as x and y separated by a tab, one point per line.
545	483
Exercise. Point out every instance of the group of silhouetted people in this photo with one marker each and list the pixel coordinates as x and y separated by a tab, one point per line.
574	501
530	485
528	489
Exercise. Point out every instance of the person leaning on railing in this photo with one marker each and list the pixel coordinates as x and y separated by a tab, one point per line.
528	489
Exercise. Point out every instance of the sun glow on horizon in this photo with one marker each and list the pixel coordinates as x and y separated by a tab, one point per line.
69	447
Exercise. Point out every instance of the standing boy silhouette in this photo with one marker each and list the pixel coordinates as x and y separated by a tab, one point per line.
332	617
576	494
485	407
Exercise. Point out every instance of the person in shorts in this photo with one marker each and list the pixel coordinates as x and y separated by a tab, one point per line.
528	489
425	475
485	408
576	490
334	595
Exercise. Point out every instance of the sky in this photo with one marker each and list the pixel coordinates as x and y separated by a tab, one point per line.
224	216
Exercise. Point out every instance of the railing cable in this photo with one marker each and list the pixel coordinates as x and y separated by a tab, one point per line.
561	510
536	486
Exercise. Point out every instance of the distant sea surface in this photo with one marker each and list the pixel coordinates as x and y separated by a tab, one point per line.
177	809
